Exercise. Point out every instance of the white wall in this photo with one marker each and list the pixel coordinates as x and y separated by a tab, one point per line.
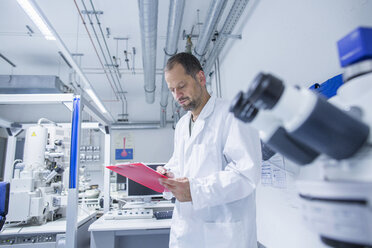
295	40
150	145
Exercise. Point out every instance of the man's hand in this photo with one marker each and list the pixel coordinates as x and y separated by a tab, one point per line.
164	171
180	187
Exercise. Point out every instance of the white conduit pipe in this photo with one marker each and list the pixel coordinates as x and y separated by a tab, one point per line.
211	20
232	19
148	13
176	9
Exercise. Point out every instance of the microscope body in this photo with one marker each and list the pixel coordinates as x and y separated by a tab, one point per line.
339	207
333	135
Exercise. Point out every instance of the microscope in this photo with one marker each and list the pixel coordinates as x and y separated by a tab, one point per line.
37	188
335	135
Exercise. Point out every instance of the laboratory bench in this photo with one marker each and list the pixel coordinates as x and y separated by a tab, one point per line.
48	235
148	232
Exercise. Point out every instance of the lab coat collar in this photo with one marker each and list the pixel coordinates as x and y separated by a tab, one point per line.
199	124
208	108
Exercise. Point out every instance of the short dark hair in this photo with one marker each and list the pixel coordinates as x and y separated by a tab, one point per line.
189	62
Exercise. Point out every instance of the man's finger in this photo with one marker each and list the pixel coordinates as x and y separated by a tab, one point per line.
181	179
169	183
161	170
168	180
169	174
170	188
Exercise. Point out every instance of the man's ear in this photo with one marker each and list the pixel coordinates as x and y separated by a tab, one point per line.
201	78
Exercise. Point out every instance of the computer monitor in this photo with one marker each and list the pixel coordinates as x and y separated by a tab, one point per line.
136	190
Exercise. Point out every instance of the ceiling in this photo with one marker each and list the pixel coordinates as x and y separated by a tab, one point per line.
34	55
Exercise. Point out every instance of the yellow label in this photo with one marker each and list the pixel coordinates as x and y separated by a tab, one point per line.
33	134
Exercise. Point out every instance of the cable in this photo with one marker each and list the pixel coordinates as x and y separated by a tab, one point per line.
108	50
46	120
95	49
219	76
122	95
99	43
100	46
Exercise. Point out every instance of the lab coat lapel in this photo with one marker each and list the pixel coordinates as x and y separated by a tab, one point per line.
199	124
198	127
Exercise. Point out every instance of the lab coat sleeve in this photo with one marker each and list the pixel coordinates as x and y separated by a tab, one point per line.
172	165
239	178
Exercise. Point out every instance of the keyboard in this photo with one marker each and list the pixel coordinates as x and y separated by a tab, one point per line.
129	214
159	215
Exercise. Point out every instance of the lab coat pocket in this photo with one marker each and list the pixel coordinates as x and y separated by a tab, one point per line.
224	234
204	160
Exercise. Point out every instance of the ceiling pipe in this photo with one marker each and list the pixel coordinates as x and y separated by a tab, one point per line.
95	49
136	125
148	13
178	112
214	13
232	19
100	46
129	127
176	9
117	72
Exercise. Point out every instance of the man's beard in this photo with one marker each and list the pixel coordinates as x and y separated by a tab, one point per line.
191	106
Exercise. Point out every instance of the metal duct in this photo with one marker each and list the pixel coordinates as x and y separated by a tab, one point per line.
136	125
176	9
148	13
211	20
231	20
31	84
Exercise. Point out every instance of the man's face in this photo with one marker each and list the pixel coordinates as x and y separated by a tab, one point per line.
185	89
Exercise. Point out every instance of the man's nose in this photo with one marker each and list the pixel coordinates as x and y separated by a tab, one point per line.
177	94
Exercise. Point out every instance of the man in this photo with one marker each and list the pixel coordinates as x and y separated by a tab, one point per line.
214	168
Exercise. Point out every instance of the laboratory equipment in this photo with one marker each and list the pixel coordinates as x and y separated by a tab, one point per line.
312	121
4	202
121	182
37	191
90	168
272	134
135	213
328	88
50	235
166	214
136	190
337	207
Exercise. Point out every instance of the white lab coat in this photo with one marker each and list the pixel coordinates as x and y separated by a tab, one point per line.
222	161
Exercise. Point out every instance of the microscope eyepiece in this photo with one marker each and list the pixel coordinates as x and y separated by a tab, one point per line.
242	108
311	124
265	91
237	103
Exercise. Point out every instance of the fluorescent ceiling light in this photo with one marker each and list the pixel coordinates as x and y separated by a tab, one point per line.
32	11
38	17
95	99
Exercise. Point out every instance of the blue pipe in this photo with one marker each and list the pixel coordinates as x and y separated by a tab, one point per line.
74	142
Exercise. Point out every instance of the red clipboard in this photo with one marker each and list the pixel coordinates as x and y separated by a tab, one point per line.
141	174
